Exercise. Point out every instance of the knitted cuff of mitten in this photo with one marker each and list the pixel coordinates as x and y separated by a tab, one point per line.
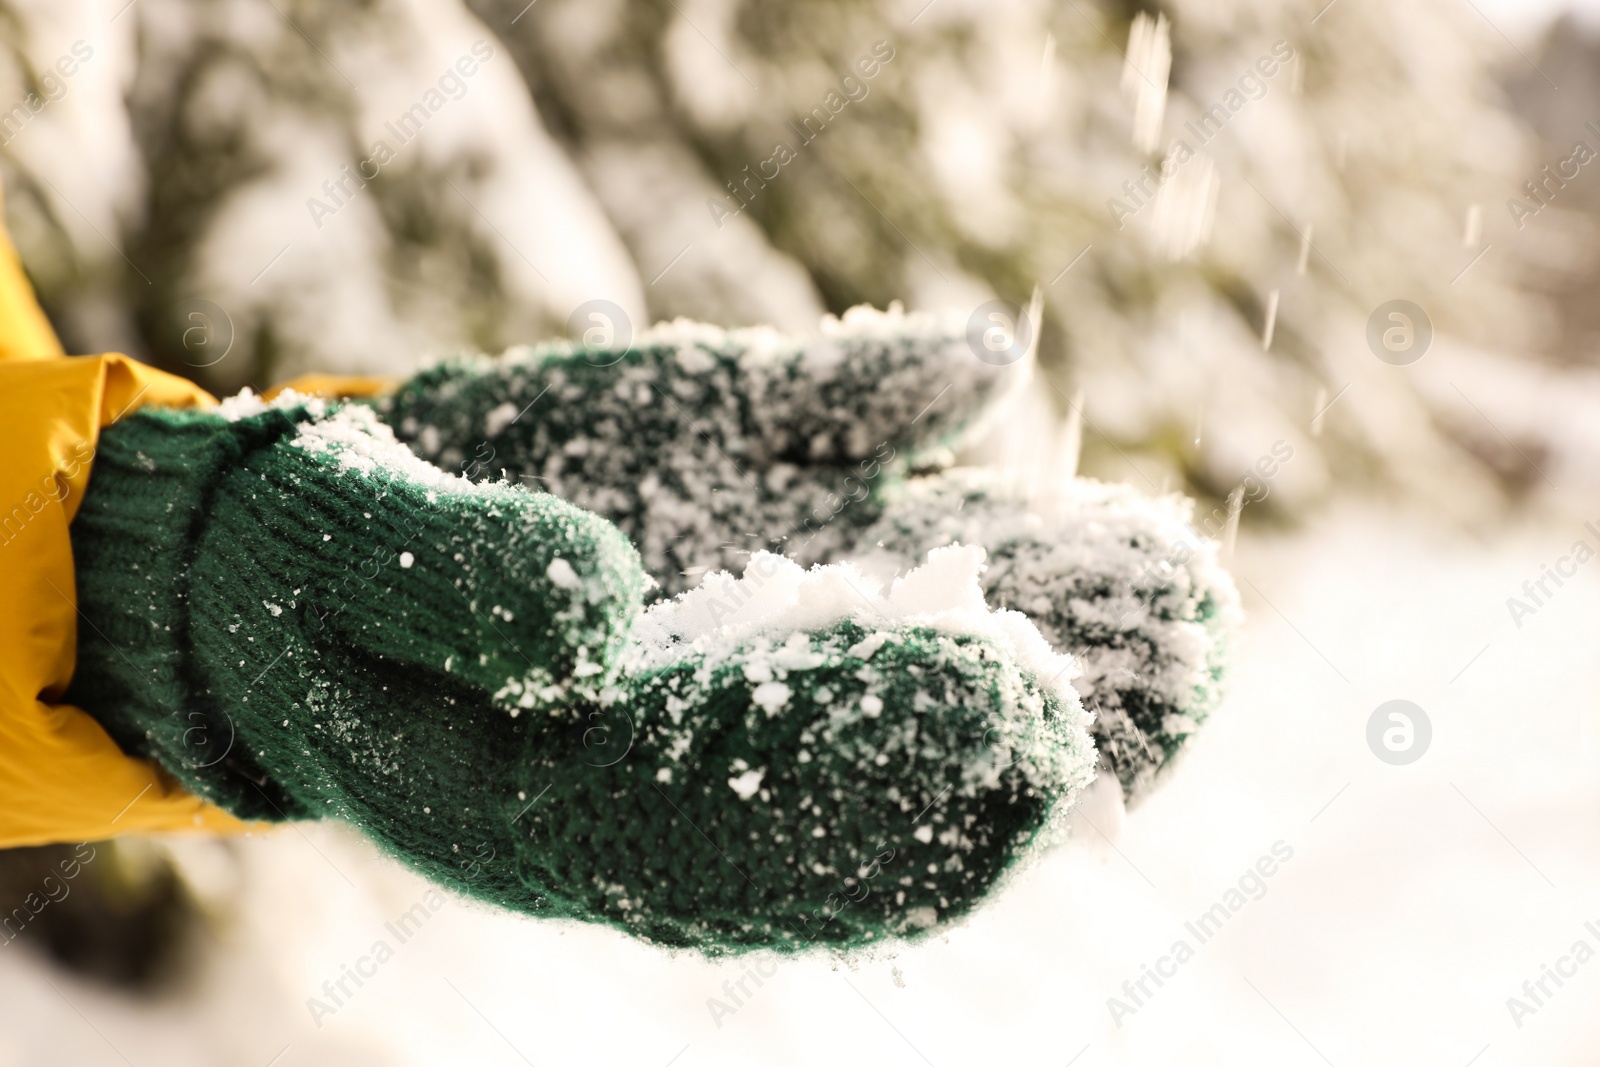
133	541
251	590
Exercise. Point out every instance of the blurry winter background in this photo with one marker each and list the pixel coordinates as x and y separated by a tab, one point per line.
188	193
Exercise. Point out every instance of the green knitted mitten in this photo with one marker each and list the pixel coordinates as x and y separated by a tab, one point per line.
299	619
297	622
705	445
1118	579
809	761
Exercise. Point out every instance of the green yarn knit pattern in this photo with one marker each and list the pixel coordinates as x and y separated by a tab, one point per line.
886	798
705	445
1117	579
296	633
299	619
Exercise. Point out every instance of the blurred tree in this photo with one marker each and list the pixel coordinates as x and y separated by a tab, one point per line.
1564	263
743	162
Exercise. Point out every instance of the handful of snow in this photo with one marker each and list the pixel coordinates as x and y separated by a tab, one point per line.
1119	578
819	729
777	599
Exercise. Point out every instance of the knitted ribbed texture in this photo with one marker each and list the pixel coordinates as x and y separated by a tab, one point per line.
294	630
133	542
300	619
704	445
888	794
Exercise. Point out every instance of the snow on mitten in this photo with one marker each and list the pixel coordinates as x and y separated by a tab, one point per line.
863	766
705	445
300	619
1115	578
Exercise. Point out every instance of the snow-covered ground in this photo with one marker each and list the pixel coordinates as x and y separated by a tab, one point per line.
1414	900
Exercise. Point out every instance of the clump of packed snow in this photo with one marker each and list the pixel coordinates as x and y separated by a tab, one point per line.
776	598
350	434
358	441
247	404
